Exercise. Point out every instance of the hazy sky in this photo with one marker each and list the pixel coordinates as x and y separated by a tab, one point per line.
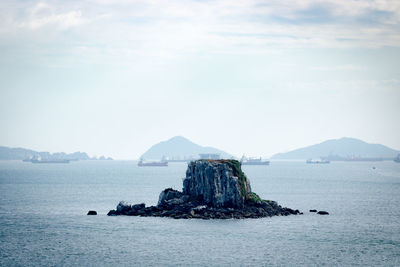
256	77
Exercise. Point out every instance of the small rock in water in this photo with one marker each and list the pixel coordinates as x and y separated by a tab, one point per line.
113	213
92	212
323	212
313	210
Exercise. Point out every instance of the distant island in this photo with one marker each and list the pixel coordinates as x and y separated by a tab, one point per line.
7	153
180	148
346	149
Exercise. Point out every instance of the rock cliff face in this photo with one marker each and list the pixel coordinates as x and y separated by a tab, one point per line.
212	189
218	183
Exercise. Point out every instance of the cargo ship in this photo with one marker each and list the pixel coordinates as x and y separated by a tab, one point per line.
322	161
253	161
142	163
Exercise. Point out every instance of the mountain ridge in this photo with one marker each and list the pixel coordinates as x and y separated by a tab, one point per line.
18	153
179	147
342	147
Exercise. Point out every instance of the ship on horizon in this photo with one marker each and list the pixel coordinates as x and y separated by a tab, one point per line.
162	163
322	161
253	161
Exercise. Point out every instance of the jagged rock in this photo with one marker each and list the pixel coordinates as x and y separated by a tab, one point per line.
168	194
212	189
175	201
199	208
113	213
123	207
138	206
218	183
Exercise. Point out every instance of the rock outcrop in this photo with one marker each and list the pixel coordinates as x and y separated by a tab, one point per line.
217	183
212	189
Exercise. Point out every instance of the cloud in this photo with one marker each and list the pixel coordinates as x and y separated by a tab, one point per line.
62	21
42	14
332	12
163	30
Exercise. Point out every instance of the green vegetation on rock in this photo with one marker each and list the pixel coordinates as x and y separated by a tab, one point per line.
236	167
253	197
237	171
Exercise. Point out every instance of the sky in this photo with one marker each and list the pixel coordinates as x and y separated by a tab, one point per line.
249	77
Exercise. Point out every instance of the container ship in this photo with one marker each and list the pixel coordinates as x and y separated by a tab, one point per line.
322	161
253	161
142	163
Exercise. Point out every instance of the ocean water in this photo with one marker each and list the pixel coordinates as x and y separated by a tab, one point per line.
43	219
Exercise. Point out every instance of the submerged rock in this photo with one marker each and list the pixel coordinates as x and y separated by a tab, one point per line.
212	189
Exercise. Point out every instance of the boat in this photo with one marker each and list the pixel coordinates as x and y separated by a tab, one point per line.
143	163
178	160
322	161
253	161
397	159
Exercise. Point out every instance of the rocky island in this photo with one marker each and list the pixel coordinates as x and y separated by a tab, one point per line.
212	189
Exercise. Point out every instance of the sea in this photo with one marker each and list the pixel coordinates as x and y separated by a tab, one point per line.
43	219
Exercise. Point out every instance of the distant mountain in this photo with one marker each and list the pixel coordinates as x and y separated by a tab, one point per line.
179	147
343	147
7	153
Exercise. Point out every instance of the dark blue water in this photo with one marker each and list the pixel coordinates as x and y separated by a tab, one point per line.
43	217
